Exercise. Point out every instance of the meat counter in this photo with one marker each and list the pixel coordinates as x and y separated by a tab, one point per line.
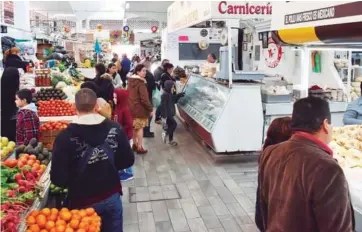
226	119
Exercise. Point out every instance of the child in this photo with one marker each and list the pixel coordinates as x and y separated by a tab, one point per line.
122	115
27	125
168	111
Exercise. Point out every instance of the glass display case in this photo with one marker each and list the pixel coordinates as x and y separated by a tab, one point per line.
204	100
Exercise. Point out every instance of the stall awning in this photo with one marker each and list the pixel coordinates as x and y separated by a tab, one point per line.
321	22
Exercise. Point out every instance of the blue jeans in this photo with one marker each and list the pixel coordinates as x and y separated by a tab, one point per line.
110	211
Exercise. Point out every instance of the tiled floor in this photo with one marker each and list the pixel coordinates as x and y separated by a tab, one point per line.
182	189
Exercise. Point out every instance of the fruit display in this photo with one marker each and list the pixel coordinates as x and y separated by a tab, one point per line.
356	88
6	146
55	190
49	94
42	77
55	108
64	220
347	146
54	125
36	149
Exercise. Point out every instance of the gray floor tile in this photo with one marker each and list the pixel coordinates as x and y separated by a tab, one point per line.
130	215
220	229
163	227
140	182
131	228
233	187
144	207
146	222
229	223
196	225
183	190
189	208
249	228
239	214
173	204
199	198
156	193
178	220
218	206
160	212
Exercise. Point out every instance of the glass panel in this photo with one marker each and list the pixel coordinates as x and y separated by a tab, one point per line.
204	100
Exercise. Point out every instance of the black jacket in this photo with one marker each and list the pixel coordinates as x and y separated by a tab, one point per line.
166	77
168	101
99	177
158	73
106	87
15	61
10	82
151	84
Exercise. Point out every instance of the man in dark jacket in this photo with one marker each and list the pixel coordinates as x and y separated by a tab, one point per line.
151	85
159	71
168	111
302	188
86	159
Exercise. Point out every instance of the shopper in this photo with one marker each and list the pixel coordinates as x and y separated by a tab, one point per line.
27	124
167	75
159	71
116	79
103	107
104	82
151	86
279	131
12	59
125	69
168	111
211	58
302	188
122	115
353	114
140	105
87	157
10	81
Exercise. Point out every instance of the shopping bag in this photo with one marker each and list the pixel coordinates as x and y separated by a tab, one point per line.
156	98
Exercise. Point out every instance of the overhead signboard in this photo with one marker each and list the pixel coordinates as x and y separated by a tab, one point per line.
289	15
183	14
241	10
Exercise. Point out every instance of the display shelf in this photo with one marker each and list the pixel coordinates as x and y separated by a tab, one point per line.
57	118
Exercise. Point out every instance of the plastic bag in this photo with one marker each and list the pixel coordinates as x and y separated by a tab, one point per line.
156	98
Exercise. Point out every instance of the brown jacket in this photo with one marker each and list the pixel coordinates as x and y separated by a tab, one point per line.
303	189
138	100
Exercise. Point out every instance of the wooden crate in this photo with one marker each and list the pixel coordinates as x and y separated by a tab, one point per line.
48	137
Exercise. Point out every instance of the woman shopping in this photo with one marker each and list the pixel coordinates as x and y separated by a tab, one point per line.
140	106
116	78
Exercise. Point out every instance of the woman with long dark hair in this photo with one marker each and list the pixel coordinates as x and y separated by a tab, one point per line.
104	82
140	105
112	70
10	81
279	131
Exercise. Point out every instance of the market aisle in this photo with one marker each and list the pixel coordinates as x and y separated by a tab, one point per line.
181	189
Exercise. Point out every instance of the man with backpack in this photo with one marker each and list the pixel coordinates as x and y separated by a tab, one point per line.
86	159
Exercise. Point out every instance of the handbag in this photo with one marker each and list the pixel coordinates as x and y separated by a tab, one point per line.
156	98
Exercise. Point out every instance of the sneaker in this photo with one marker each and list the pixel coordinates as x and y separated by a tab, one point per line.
164	136
126	176
173	143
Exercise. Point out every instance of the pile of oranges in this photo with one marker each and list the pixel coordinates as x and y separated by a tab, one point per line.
65	220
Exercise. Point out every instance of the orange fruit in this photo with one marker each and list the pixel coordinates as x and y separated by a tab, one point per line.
43	230
76	217
53	230
90	211
60	228
65	215
82	213
32	157
83	225
68	229
64	209
54	211
74	224
49	225
52	217
34	213
37	162
45	211
30	220
60	222
28	231
43	166
41	220
34	228
92	229
81	230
